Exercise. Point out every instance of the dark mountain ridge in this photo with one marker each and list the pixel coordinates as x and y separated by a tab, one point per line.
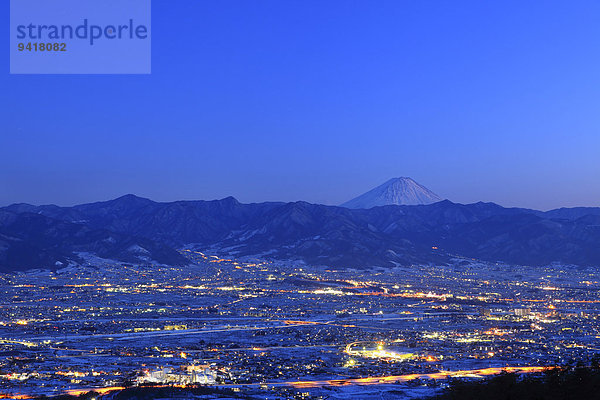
316	234
33	240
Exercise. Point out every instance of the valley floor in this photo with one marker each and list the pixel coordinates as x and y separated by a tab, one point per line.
260	329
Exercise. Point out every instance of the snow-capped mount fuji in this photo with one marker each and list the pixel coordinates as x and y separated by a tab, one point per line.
396	191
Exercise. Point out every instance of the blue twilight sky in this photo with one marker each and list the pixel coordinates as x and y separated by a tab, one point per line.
320	101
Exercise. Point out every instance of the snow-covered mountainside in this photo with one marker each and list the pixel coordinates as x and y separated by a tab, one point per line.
398	191
131	229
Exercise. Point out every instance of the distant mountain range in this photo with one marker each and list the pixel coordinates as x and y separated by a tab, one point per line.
398	191
137	230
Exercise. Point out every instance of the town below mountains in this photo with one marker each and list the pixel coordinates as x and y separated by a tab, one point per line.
132	229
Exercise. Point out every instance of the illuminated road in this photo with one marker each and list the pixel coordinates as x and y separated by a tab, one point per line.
375	380
378	380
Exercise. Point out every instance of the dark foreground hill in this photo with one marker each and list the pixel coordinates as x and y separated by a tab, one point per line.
570	383
131	228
